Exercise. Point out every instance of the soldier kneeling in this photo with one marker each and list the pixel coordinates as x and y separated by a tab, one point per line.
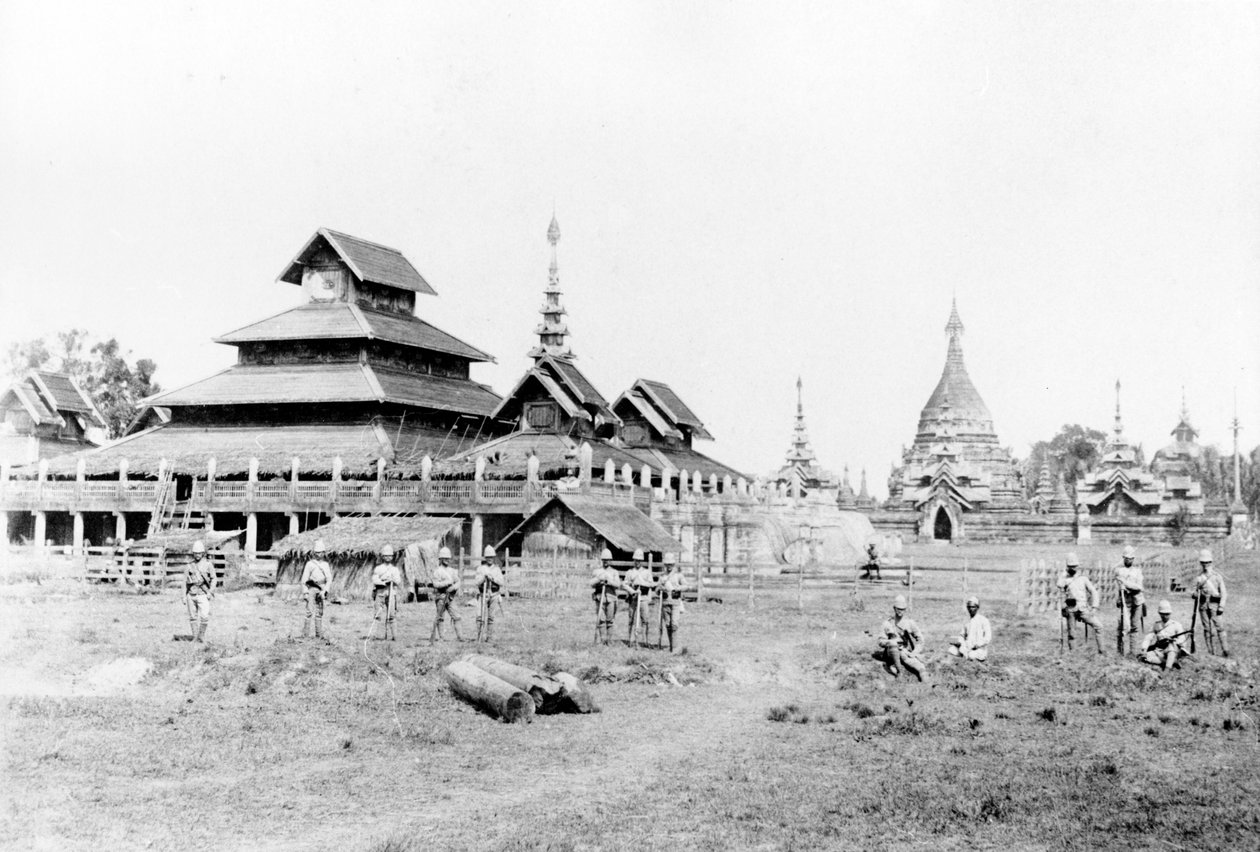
1166	643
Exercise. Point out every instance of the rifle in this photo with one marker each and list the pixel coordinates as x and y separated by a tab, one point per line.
1194	617
481	608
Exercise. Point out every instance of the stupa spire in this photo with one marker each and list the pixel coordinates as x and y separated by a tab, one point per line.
1119	427
954	328
552	330
801	454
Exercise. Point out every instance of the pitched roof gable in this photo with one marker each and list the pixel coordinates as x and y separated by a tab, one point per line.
672	407
369	262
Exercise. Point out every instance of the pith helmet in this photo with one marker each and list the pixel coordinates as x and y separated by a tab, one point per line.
444	553
973	601
1130	553
319	545
199	546
605	555
1165	608
387	550
899	602
1205	555
669	559
488	553
638	556
1073	561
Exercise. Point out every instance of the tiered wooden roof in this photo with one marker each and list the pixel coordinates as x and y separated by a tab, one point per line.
47	397
187	448
369	261
343	321
346	382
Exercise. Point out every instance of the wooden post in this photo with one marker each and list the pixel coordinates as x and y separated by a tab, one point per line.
294	473
251	532
252	480
76	544
80	473
378	488
610	471
964	576
42	472
41	529
335	481
211	468
122	478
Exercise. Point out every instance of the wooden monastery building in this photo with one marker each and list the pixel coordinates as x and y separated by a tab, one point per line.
349	404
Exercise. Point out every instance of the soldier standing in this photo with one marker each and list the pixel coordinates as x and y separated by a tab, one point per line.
672	608
386	581
1131	602
1166	642
316	580
1078	590
1209	594
900	643
198	591
639	586
973	644
489	580
604	586
445	588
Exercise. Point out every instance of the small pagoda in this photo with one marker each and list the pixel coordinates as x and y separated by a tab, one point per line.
801	474
1119	485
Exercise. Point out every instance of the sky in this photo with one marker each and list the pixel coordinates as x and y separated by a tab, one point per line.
747	193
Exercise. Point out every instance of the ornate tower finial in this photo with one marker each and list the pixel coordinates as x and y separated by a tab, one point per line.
800	407
552	330
1119	427
954	328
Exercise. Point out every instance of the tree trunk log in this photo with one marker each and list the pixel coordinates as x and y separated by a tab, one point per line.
489	692
559	693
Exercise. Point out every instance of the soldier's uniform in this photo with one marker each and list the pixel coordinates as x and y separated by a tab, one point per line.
316	579
672	608
1209	590
1131	601
445	587
386	581
1080	601
973	643
1166	642
604	587
901	643
639	584
489	582
199	589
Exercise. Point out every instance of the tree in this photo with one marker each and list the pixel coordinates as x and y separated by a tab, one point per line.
1072	452
103	372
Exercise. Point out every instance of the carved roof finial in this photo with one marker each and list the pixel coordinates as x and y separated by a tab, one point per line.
552	330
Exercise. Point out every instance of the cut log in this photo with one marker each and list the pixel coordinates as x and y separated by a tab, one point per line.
490	693
576	694
559	693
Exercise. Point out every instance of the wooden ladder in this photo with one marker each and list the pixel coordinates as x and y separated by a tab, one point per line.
163	504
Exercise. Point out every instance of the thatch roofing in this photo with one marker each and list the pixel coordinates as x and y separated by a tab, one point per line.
187	448
672	406
620	523
344	382
181	541
367	535
343	321
369	261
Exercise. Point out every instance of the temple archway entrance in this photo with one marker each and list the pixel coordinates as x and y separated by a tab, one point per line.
942	527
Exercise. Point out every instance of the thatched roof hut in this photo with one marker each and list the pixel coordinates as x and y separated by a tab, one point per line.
353	546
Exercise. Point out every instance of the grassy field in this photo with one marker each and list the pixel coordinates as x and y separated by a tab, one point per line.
774	730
